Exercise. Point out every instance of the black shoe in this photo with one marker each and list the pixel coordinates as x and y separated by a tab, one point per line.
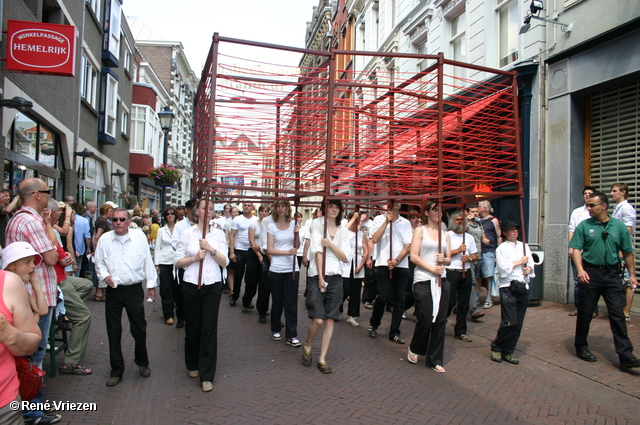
232	302
145	372
373	332
47	418
262	319
180	323
509	358
587	356
629	363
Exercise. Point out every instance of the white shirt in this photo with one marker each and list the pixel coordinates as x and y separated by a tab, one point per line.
180	227
189	245
127	258
578	215
263	232
164	250
624	211
241	225
402	235
456	240
333	266
506	253
356	256
282	241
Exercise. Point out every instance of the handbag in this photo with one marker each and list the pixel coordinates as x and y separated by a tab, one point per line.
30	377
517	287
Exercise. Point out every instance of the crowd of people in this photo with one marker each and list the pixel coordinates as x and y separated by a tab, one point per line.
393	259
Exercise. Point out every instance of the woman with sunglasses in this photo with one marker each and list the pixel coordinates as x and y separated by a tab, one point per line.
163	259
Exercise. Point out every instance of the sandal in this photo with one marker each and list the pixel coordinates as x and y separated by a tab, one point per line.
70	369
324	367
306	357
411	356
99	298
437	368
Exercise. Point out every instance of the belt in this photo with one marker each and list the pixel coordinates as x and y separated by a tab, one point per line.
600	266
457	270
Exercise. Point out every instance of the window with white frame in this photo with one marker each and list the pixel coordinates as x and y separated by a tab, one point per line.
127	55
95	6
139	128
458	41
111	106
114	28
89	77
509	28
124	121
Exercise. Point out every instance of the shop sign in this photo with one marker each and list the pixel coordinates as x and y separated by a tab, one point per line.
36	47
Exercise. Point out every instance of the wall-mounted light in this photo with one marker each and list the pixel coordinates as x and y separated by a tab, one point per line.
535	8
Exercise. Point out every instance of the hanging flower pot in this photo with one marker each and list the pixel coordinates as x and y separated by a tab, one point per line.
164	175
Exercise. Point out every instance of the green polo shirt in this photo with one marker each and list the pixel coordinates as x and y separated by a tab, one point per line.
597	250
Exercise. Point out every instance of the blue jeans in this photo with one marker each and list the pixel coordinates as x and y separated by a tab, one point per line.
45	325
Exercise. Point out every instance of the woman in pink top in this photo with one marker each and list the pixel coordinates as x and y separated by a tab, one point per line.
19	336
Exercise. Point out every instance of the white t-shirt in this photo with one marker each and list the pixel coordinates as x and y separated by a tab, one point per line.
333	266
402	235
241	225
282	241
456	240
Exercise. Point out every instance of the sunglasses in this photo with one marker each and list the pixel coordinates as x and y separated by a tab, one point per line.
605	234
594	205
171	213
120	219
48	191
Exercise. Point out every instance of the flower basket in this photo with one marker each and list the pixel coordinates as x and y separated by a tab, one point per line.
164	175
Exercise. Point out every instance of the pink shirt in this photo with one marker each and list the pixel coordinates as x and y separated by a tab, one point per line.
9	384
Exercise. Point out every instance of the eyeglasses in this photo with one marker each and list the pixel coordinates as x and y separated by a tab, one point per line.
120	219
48	191
594	205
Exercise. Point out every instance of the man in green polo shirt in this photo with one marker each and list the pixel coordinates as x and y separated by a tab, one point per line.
596	243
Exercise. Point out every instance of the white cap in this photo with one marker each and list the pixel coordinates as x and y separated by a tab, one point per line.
113	204
17	250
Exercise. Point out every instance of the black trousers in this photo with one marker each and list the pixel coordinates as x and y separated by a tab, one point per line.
370	284
352	287
264	288
201	328
512	311
247	267
284	296
428	335
460	293
390	289
131	298
608	284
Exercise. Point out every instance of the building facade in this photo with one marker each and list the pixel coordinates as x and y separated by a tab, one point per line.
76	135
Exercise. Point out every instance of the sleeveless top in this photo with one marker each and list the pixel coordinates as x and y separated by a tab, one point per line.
428	253
490	233
9	384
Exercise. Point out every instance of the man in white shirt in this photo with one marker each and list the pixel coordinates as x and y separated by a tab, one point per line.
244	257
463	254
392	235
624	211
124	263
578	215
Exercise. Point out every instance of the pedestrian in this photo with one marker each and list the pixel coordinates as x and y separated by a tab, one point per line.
463	254
203	255
284	271
515	269
392	235
324	291
247	265
624	211
490	241
123	262
163	258
353	272
596	243
431	252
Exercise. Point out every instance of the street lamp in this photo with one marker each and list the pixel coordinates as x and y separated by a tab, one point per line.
166	117
85	153
21	104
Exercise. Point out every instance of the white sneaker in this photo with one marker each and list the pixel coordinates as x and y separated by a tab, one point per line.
352	322
488	304
276	336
